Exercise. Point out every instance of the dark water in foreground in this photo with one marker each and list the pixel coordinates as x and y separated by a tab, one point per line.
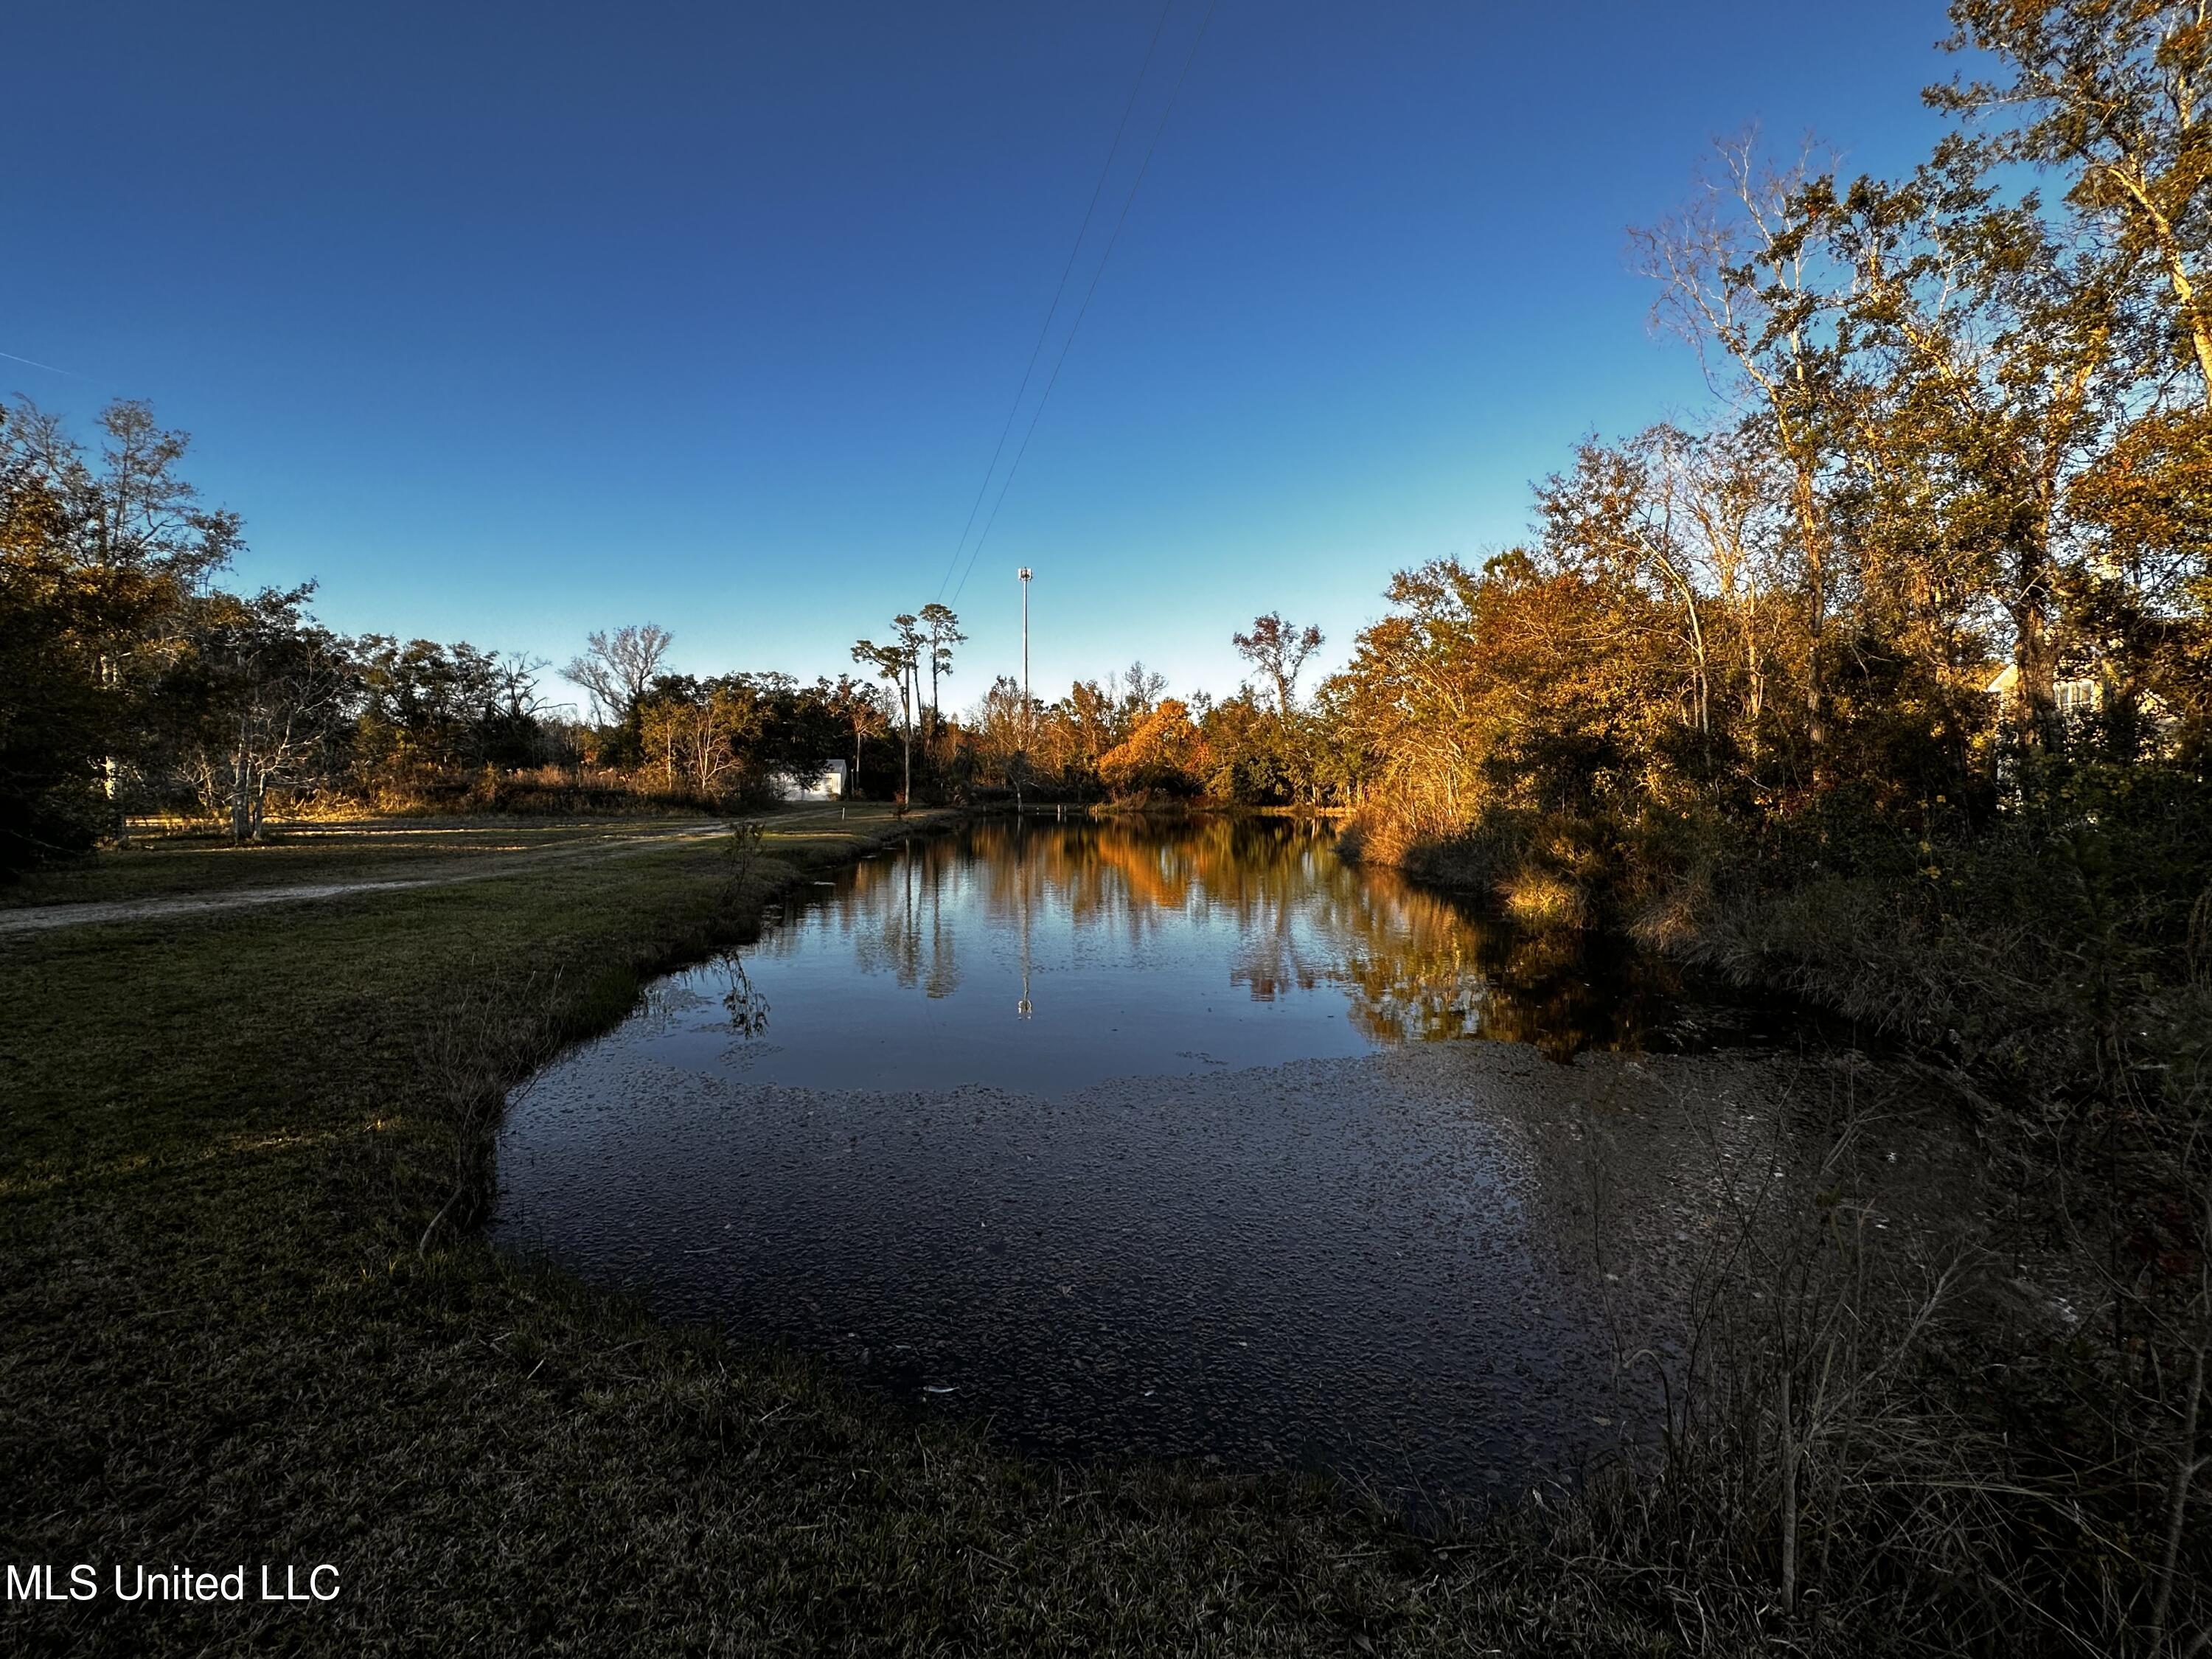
1132	1140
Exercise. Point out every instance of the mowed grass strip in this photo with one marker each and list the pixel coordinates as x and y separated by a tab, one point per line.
224	1347
203	864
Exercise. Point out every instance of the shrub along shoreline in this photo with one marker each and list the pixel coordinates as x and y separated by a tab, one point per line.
2026	952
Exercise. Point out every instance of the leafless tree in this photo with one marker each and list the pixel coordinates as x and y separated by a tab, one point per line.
1741	268
280	689
1142	687
1279	650
616	669
516	683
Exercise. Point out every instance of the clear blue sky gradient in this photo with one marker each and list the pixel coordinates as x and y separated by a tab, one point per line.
510	322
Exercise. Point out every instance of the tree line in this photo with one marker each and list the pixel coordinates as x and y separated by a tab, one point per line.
1117	737
1949	523
136	683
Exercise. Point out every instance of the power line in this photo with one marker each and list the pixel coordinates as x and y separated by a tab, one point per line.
1053	310
51	369
1127	202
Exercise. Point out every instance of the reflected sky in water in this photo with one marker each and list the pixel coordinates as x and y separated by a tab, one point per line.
1216	1192
1041	957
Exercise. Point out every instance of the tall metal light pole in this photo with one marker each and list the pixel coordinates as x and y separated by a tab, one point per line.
1022	1008
1024	573
1022	755
1021	768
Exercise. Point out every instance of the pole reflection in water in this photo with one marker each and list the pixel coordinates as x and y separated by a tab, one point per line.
1023	1009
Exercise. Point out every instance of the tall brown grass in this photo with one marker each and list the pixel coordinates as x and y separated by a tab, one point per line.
1877	1437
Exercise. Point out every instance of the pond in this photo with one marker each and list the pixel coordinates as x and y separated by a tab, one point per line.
1189	1140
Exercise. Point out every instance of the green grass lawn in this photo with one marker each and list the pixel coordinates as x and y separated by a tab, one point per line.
225	1137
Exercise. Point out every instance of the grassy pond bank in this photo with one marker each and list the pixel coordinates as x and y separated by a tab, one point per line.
253	1314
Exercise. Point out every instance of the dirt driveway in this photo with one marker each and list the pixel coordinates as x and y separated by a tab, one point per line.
40	917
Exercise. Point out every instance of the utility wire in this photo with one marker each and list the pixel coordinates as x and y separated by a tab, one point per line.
49	368
1127	202
1053	310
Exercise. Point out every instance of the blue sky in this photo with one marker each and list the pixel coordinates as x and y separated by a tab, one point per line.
508	322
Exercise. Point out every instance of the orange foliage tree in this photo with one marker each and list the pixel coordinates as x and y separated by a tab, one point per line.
1163	755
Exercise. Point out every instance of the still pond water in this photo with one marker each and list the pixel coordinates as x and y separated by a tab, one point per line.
1177	1141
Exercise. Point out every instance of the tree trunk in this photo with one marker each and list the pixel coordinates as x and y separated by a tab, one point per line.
2035	651
1816	562
909	694
1756	691
110	768
239	764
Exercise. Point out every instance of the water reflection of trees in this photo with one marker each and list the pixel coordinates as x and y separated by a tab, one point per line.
741	999
897	915
1414	966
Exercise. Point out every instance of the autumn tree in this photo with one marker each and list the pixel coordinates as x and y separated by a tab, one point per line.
2108	100
1535	682
1001	728
1093	718
1985	343
2111	96
2139	600
1159	756
1731	500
